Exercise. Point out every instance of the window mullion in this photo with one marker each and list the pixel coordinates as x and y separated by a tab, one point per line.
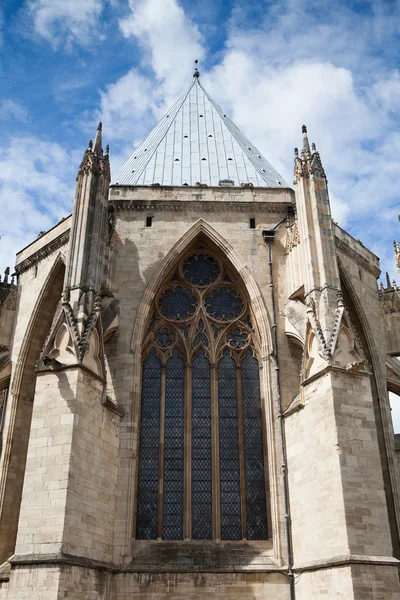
187	519
161	454
241	451
215	454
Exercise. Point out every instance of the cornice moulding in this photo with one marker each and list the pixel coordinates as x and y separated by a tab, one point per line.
40	254
217	205
343	247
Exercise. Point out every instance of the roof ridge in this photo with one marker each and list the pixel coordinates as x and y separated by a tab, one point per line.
238	134
187	146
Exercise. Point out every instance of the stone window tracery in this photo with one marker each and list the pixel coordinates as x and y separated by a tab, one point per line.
201	472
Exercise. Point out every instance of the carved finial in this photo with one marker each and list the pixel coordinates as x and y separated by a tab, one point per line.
6	274
313	147
381	285
97	148
100	126
296	153
107	150
90	144
306	144
196	72
394	283
388	280
12	279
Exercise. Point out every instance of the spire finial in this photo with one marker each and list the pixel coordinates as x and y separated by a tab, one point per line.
196	72
97	148
306	144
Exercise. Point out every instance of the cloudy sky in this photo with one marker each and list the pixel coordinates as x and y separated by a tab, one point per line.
273	66
333	65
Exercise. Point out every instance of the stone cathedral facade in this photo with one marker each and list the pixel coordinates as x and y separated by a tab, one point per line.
194	376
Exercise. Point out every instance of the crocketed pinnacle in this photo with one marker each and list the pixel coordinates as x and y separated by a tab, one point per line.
97	148
306	144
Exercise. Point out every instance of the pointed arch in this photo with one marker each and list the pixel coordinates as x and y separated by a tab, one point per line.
383	406
202	230
19	412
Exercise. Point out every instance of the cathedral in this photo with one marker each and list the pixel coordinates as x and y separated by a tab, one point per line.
194	377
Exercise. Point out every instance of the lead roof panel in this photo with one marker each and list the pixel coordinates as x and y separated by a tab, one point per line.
196	142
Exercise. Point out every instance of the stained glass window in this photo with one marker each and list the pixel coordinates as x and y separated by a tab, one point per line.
178	303
147	506
256	510
201	449
174	448
224	304
230	507
201	324
200	270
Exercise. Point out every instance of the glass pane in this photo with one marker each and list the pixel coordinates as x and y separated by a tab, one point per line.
146	524
201	448
178	303
256	509
231	522
224	304
200	270
172	522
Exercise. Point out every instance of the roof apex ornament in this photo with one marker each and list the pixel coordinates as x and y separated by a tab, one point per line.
196	71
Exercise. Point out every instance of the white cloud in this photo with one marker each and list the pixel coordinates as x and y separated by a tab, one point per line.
64	23
386	93
36	190
126	106
12	110
170	40
295	66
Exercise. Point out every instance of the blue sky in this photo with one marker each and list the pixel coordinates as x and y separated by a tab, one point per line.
65	64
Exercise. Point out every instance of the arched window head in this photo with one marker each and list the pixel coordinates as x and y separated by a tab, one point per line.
202	463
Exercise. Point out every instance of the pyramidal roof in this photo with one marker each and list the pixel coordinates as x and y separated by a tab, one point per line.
196	142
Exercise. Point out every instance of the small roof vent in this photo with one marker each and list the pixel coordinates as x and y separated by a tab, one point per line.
226	182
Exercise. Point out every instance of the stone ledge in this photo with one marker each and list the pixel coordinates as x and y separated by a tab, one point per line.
346	560
42	252
357	257
331	367
233	561
62	558
178	205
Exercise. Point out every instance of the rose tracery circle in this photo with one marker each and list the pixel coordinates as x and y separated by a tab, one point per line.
200	270
224	304
177	303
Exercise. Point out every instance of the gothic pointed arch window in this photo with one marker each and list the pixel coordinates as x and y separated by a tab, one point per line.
202	463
